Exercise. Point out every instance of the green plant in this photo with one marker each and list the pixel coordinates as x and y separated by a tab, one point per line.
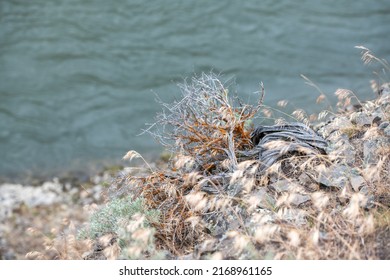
112	217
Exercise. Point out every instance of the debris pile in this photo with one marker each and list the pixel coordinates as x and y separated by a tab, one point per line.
281	191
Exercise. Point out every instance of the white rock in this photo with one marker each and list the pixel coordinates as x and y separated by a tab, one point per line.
357	182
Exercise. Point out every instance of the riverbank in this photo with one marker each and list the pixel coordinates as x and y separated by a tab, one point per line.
213	201
36	209
30	215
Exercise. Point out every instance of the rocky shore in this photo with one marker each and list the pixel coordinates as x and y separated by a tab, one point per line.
291	215
30	215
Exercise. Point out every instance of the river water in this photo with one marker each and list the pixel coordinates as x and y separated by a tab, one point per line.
78	78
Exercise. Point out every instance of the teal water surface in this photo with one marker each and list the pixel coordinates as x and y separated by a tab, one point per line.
78	78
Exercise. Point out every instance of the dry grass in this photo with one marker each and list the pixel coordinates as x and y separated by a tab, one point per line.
204	125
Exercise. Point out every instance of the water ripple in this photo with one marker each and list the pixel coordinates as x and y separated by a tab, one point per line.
77	78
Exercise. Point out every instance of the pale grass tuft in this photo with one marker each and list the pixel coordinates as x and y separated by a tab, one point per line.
184	161
280	121
253	169
197	200
322	115
294	238
261	219
374	86
107	240
33	231
282	103
253	201
216	256
226	164
368	57
368	225
267	112
282	200
131	155
244	165
321	168
193	178
345	96
313	117
241	242
91	208
315	236
274	168
112	252
248	184
194	221
266	232
311	83
292	214
299	114
142	236
353	209
221	204
35	256
134	251
137	220
371	133
320	200
294	199
232	234
371	173
236	176
320	98
342	93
